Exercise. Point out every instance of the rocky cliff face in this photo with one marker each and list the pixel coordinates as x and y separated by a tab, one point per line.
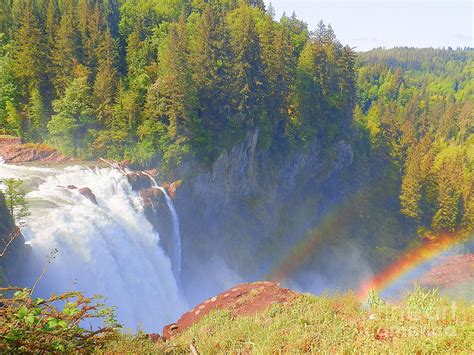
251	206
12	246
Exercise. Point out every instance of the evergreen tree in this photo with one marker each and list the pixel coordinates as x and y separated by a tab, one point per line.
247	67
65	52
105	85
15	199
9	86
70	128
37	114
30	54
210	60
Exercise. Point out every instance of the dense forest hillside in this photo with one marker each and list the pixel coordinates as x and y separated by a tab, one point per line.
157	81
417	106
177	84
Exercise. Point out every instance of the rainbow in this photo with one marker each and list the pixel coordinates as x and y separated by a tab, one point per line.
329	225
408	262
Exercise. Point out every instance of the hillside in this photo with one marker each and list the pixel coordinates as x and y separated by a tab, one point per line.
262	318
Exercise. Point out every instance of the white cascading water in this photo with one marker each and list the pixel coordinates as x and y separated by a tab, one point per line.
176	258
108	249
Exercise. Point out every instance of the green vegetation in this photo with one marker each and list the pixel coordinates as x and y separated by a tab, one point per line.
15	199
421	322
39	325
417	109
159	81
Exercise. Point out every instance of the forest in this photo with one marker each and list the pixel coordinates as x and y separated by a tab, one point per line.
160	82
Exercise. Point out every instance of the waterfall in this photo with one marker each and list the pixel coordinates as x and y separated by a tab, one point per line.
108	249
176	258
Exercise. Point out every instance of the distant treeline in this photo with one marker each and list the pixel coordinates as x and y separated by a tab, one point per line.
417	107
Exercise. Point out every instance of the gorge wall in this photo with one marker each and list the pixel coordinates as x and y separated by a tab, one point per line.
241	217
12	246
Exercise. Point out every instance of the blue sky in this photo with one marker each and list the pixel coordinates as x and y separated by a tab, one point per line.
371	23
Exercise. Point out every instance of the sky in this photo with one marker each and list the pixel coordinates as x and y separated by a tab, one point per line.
383	23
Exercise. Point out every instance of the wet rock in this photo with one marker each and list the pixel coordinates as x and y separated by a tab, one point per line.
152	197
87	193
241	300
159	215
139	181
172	188
16	254
71	187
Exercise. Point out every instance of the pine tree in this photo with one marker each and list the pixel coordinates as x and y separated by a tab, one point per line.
172	100
247	67
105	84
308	94
70	128
15	199
9	85
65	52
210	60
14	120
447	213
412	188
37	114
30	54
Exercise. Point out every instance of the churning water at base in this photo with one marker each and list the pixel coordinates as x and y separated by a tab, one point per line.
108	249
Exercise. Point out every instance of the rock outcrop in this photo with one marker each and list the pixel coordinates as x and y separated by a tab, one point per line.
138	180
159	215
252	205
241	300
452	271
87	193
14	252
25	153
9	140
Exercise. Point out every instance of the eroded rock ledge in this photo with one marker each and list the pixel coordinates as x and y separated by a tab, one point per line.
241	300
13	151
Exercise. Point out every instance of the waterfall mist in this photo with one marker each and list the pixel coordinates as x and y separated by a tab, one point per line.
108	249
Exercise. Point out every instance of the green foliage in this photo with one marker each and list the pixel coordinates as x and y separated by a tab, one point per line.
421	322
207	72
15	199
9	86
70	128
54	325
417	107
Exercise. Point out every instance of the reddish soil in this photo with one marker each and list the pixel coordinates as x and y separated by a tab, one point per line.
24	153
244	299
9	140
452	271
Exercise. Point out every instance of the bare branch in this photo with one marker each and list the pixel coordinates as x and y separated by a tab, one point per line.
15	234
51	257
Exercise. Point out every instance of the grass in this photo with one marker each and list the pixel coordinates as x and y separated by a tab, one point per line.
423	322
40	146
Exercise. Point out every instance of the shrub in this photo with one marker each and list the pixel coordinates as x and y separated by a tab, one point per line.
39	326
